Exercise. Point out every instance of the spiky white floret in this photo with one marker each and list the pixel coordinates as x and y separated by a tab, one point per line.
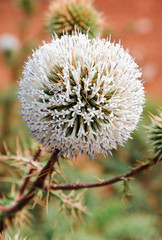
80	95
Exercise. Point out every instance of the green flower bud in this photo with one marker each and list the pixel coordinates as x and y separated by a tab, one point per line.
65	16
155	134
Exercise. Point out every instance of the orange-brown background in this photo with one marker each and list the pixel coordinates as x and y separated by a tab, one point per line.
137	23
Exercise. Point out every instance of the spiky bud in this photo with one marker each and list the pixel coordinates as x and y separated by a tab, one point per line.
66	15
80	95
155	134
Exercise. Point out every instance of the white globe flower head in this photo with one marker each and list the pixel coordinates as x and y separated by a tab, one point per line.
9	42
81	96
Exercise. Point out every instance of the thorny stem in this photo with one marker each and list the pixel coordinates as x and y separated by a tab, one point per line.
27	179
80	185
39	183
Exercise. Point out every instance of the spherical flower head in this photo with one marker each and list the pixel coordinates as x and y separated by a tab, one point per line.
155	134
9	42
9	45
81	96
66	15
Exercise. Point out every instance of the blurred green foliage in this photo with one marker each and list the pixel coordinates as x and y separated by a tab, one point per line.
28	6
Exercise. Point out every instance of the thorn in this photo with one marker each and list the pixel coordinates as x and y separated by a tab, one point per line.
18	148
6	148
